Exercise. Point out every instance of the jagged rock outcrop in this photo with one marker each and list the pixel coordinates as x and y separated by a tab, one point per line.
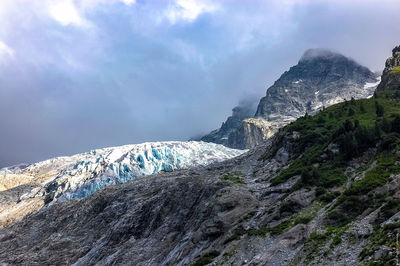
252	132
226	134
320	79
391	74
231	133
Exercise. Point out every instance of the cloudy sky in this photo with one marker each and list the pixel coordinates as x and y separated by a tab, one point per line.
78	75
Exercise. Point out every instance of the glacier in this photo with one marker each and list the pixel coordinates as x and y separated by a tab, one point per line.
80	175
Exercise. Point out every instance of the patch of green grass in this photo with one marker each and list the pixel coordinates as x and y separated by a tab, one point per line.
317	241
391	207
262	231
382	236
207	258
237	233
233	177
328	196
357	198
395	70
302	217
378	176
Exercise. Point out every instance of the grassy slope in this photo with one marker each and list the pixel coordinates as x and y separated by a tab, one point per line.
328	141
395	70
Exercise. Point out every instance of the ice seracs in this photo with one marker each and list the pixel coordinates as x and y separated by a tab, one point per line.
81	175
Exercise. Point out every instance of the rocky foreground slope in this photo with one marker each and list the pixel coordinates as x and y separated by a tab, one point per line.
320	79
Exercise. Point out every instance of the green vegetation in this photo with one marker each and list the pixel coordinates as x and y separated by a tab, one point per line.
357	199
233	177
326	196
391	207
395	70
327	142
237	233
206	258
317	241
302	217
383	236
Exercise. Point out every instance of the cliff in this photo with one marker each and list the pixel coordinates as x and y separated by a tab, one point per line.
391	74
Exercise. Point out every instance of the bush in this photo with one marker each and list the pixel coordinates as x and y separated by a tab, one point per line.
289	206
233	177
206	258
379	109
362	108
389	141
388	210
328	197
395	125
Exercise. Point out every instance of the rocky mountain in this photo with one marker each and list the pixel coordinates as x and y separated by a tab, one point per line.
320	79
64	178
391	73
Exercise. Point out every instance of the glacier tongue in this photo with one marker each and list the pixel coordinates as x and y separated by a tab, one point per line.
83	174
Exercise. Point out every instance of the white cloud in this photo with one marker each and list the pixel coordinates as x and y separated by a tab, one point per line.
187	10
128	2
66	13
70	12
5	50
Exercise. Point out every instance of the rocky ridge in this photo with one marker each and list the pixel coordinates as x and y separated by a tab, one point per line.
320	79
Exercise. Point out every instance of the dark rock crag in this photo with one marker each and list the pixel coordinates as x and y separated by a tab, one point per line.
391	74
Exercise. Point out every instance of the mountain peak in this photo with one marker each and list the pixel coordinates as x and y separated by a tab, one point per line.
321	78
319	53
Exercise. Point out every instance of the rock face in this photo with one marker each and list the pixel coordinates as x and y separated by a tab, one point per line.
321	78
391	74
227	133
252	132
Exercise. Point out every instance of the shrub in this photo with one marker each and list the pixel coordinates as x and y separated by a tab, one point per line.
206	258
395	125
379	109
233	177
